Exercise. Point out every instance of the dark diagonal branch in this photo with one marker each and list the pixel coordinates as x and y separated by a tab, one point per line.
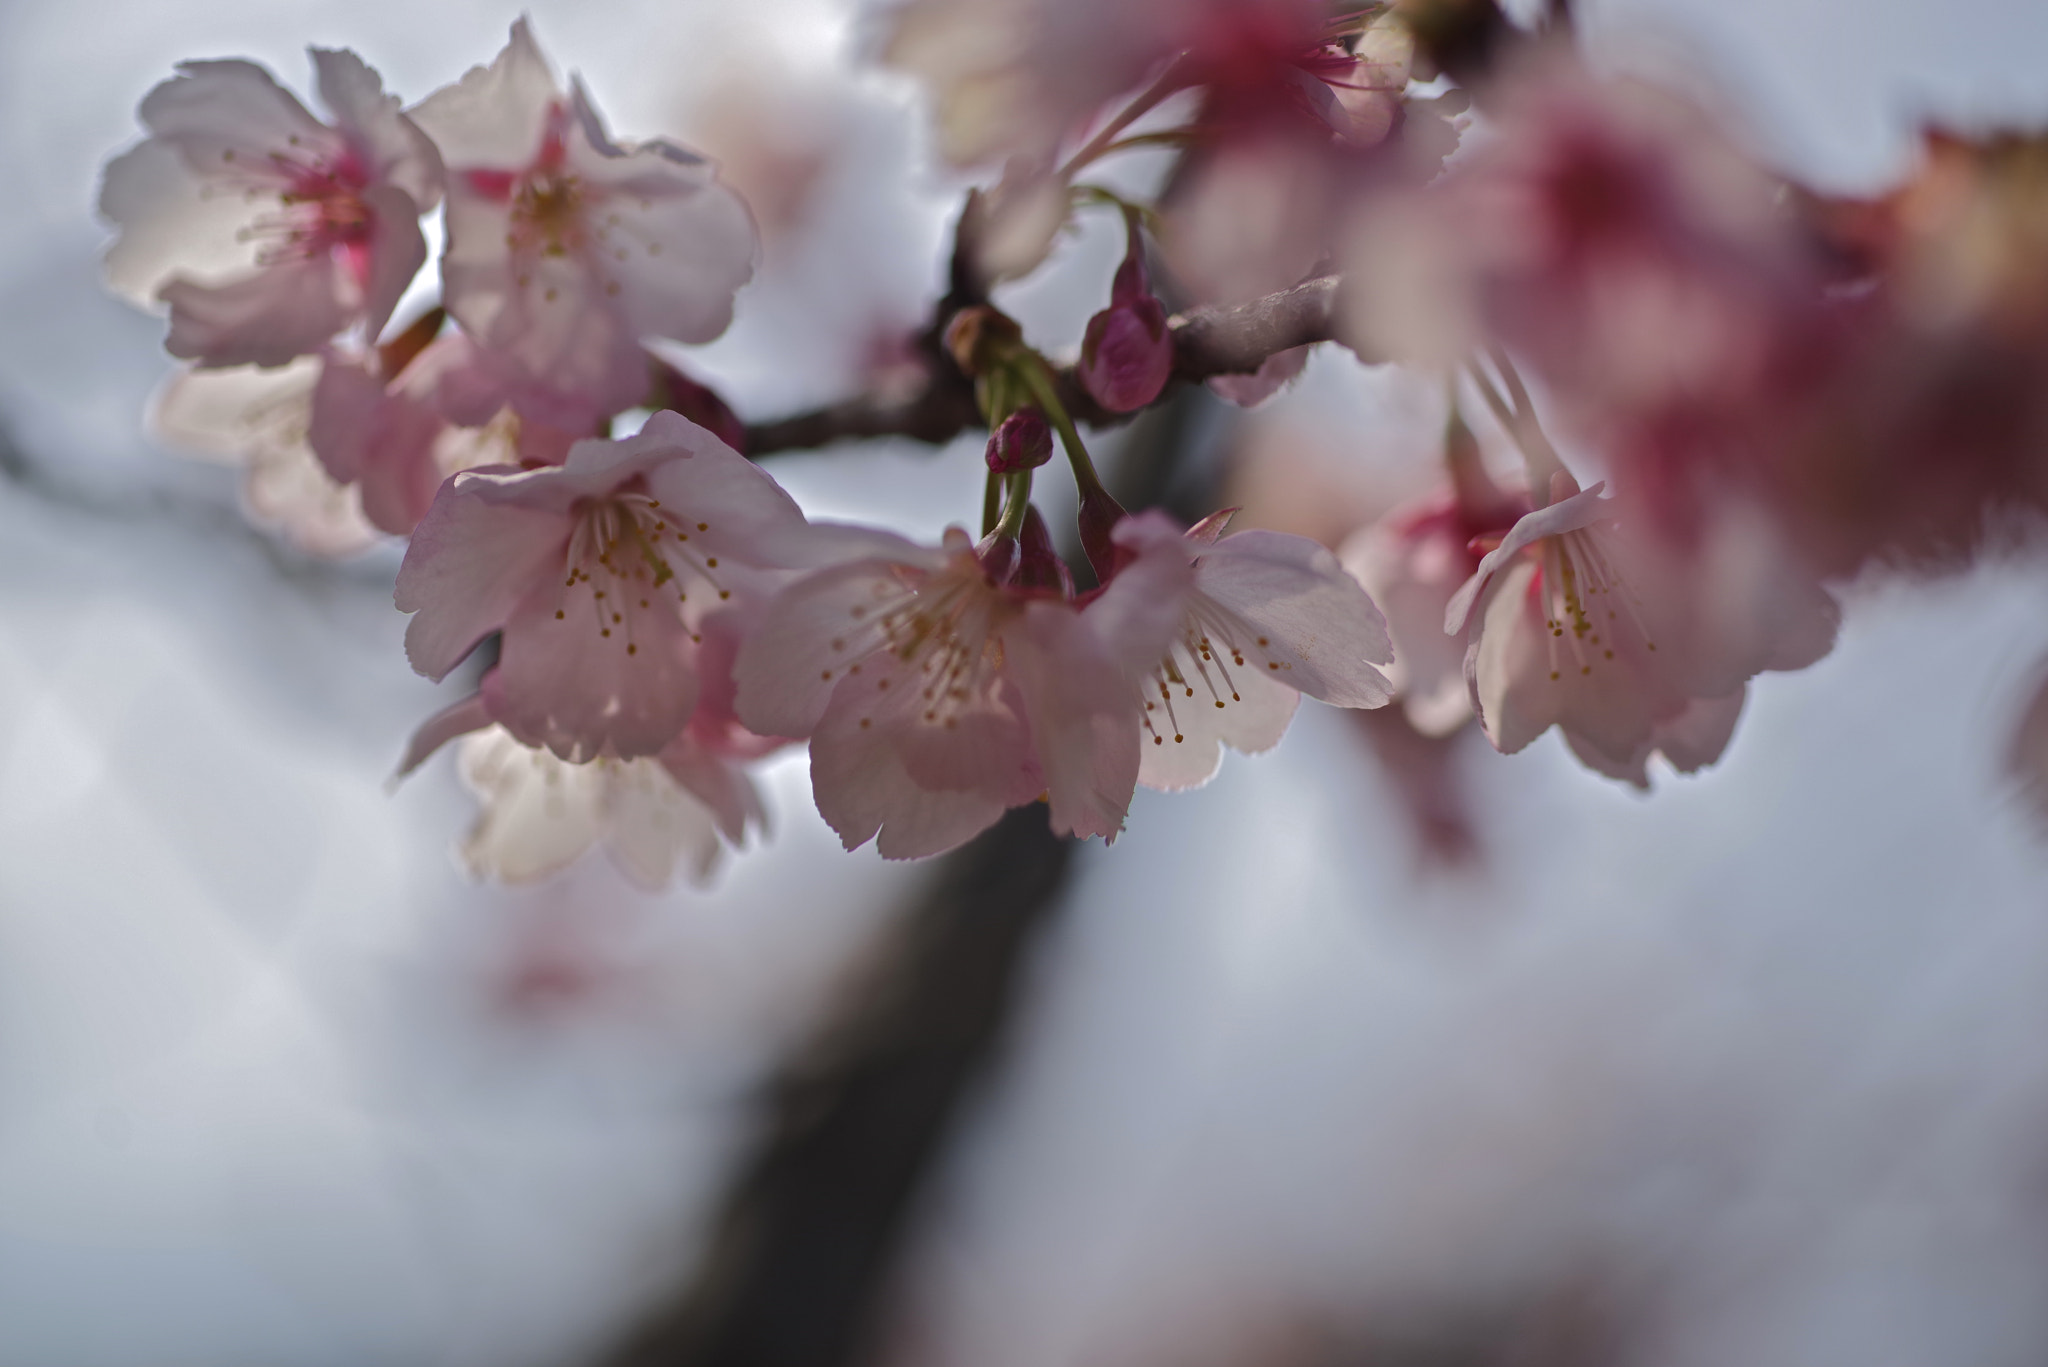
1206	342
809	1234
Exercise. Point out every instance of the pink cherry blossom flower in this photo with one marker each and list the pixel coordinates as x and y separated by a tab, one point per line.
396	437
1612	234
266	231
598	572
1258	618
936	697
1577	622
565	249
380	437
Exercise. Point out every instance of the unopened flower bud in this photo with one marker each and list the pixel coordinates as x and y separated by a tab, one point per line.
1127	353
1021	442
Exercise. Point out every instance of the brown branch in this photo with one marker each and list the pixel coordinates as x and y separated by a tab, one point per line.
799	1259
1206	342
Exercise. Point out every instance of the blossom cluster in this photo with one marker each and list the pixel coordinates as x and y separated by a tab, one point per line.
1780	388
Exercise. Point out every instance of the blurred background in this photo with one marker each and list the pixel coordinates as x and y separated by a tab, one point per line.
1360	1054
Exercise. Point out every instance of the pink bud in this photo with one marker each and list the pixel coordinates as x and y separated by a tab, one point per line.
1021	441
1126	353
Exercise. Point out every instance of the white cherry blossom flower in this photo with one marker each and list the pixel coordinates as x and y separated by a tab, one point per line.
565	248
936	698
1258	619
599	572
261	420
266	231
540	812
1627	647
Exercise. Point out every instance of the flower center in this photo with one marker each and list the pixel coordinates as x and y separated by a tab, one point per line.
944	628
632	557
547	213
1204	655
1584	613
320	207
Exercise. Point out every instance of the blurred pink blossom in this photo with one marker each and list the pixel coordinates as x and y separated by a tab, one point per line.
1412	562
1576	621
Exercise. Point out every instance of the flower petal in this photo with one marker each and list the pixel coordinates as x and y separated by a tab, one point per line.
456	719
1083	715
731	506
494	115
1582	509
649	822
805	640
538	813
276	315
586	676
863	790
1183	745
397	151
677	244
468	566
1311	625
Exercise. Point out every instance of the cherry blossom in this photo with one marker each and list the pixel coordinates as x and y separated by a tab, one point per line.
335	453
599	573
565	248
262	420
540	812
936	697
1411	562
1258	619
1576	622
1415	559
266	231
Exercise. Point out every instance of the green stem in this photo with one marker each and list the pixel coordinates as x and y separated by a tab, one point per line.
1039	378
1019	491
